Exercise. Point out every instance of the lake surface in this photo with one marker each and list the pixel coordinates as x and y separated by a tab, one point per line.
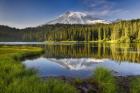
81	59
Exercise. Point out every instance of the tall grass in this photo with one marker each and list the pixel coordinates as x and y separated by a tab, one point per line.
105	81
14	78
135	86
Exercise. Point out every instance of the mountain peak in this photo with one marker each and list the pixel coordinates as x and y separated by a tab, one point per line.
71	13
68	12
71	17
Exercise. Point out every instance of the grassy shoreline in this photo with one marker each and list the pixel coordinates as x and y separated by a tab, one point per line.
15	78
103	82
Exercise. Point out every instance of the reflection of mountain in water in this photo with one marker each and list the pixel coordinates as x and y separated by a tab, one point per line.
80	67
77	64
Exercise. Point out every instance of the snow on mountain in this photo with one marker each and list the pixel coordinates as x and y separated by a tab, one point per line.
77	18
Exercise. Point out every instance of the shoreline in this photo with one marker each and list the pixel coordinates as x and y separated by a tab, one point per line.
84	85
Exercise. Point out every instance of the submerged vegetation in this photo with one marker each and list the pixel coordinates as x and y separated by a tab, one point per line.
122	31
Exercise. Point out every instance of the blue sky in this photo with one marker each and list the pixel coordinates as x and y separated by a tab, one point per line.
25	13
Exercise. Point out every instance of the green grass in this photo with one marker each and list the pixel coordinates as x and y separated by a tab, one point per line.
135	86
104	80
14	78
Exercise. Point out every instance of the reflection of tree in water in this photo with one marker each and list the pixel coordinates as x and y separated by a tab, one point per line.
119	52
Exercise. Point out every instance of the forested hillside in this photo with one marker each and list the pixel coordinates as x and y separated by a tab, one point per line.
123	31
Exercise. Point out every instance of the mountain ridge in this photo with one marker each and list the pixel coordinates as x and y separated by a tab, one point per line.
71	17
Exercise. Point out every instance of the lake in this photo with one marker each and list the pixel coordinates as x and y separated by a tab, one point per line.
81	59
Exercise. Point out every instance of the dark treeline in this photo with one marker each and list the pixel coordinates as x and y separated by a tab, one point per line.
123	31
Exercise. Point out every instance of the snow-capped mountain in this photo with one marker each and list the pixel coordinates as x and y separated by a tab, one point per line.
77	18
